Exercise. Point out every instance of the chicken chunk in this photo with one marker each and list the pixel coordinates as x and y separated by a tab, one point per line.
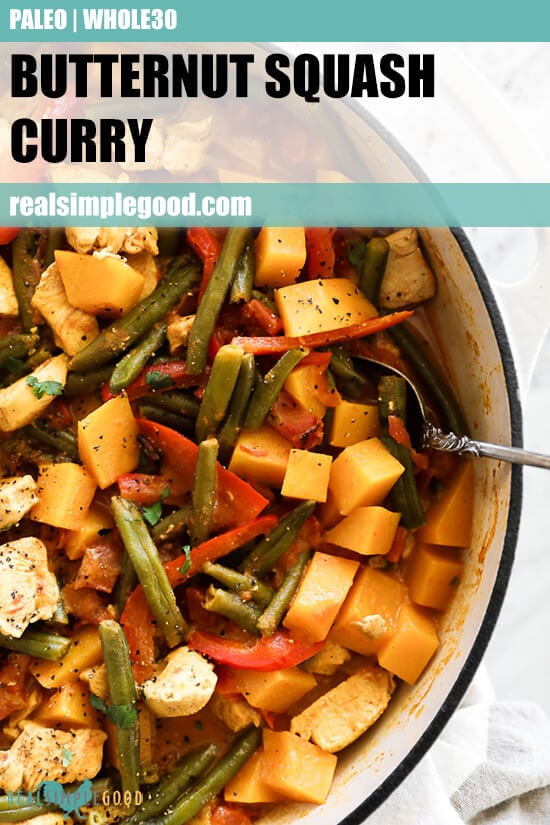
113	239
40	754
342	714
28	589
235	713
373	626
330	658
177	332
183	686
8	299
408	280
73	328
17	496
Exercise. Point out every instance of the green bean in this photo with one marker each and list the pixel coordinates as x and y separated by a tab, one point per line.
218	392
62	441
266	300
181	276
43	351
204	491
155	412
392	397
83	383
55	240
243	281
172	785
404	496
268	388
209	786
213	299
240	583
132	363
26	274
122	695
274	612
231	427
168	241
373	267
452	415
10	811
38	643
60	615
16	346
266	553
341	364
232	607
173	525
149	570
328	417
126	582
174	401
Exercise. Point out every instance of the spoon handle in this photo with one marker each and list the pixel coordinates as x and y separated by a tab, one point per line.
451	443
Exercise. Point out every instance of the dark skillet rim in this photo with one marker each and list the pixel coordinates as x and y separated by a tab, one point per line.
474	658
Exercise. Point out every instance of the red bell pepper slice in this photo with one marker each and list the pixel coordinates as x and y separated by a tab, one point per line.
137	619
399	433
236	500
174	373
256	312
7	234
321	256
282	343
206	245
269	653
289	418
143	488
398	545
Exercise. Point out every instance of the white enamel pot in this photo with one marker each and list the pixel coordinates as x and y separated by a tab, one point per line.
473	338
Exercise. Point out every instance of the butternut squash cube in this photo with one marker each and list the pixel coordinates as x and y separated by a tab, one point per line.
363	474
70	707
307	475
280	254
449	519
248	785
432	575
411	646
85	651
102	284
107	441
321	305
353	422
369	614
28	397
367	530
276	690
297	769
96	519
65	492
261	456
320	595
301	385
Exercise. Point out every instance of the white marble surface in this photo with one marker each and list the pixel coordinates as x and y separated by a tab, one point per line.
506	142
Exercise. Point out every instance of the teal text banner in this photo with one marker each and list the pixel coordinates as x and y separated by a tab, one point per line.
286	20
354	204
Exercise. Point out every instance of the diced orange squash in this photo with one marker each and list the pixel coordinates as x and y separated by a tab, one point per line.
432	575
280	254
297	769
248	785
65	492
261	456
147	736
307	475
321	305
373	593
320	594
276	690
107	441
363	474
353	422
69	706
411	646
84	652
97	518
449	519
301	385
99	284
24	400
367	530
328	512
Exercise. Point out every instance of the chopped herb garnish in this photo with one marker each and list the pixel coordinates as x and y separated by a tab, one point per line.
42	388
357	253
153	512
187	564
123	716
67	757
158	380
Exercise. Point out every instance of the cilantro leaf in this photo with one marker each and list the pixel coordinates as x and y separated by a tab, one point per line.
357	253
67	757
98	703
158	380
123	716
42	388
186	566
153	512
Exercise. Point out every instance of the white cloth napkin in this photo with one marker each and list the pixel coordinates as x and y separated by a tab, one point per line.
490	766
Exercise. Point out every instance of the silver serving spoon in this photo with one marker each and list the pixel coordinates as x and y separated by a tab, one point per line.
432	436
